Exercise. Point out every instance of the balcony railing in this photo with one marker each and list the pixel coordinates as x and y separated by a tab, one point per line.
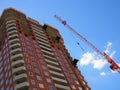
24	75
17	62
17	55
56	73
22	68
15	50
62	87
16	39
10	21
22	86
52	62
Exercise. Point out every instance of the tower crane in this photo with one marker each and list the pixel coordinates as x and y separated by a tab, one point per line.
113	65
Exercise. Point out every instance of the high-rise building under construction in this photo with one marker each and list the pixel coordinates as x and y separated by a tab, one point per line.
33	56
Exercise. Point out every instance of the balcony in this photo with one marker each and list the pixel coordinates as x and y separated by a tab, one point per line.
15	44
37	28
12	31
11	24
18	77
49	57
53	67
59	80
17	55
10	21
42	40
62	87
13	36
54	63
50	53
22	86
17	62
11	28
56	73
22	68
43	47
39	32
16	39
15	50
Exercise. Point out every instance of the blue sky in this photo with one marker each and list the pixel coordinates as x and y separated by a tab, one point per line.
97	20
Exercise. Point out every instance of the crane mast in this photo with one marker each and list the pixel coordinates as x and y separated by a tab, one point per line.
113	66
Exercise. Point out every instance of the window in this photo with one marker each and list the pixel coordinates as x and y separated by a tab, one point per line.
84	82
27	60
28	43
0	57
6	81
32	81
61	63
66	73
38	51
37	70
48	80
70	80
1	68
41	85
37	46
7	88
1	75
58	57
9	74
24	48
1	82
34	88
73	86
41	61
46	73
51	87
77	82
73	76
28	66
43	67
39	78
8	66
63	68
10	80
35	64
5	56
4	62
80	88
31	52
6	74
33	58
31	74
11	88
0	64
2	88
39	55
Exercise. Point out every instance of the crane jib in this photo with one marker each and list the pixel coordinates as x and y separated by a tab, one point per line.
113	66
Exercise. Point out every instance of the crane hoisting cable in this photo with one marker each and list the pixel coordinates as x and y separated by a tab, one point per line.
113	66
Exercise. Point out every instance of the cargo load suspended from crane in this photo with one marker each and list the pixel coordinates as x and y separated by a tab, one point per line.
113	65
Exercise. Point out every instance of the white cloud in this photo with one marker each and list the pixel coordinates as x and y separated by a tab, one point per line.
112	54
108	47
102	73
87	58
99	64
94	59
